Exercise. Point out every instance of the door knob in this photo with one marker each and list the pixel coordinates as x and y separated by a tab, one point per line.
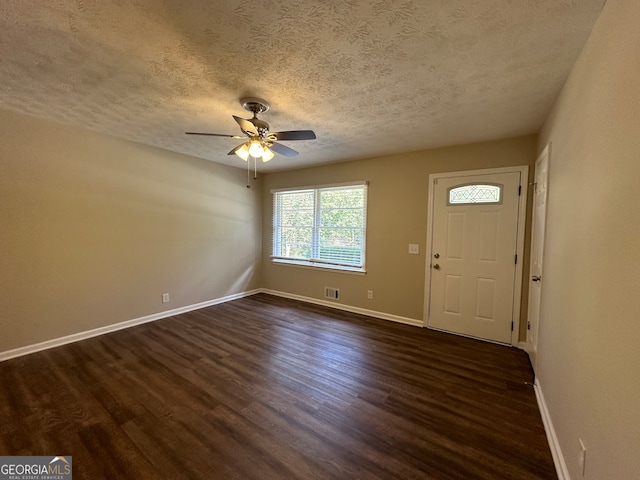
436	266
437	255
535	278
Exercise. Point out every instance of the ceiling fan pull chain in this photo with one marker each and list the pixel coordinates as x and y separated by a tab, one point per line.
255	168
248	175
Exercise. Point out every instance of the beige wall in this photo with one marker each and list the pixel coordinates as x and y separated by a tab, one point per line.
589	353
397	216
94	229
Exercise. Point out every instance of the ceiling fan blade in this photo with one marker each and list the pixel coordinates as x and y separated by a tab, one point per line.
246	126
283	150
213	134
233	152
295	135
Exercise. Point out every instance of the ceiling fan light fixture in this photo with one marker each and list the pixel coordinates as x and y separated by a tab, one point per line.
243	152
256	149
267	155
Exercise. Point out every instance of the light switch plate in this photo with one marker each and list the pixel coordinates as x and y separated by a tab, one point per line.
414	249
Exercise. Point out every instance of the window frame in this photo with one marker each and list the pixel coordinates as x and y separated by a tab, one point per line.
317	263
499	186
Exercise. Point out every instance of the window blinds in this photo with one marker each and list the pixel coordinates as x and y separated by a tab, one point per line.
325	226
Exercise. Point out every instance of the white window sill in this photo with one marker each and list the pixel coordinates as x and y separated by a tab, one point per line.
319	266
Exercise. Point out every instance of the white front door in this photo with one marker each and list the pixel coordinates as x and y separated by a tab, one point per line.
473	254
537	251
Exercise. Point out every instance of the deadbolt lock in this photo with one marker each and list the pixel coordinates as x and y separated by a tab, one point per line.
436	255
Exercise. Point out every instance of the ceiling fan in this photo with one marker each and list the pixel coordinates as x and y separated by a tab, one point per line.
261	143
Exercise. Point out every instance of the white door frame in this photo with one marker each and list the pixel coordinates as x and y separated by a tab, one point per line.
522	213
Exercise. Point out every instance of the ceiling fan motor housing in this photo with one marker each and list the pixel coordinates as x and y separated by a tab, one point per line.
256	106
261	126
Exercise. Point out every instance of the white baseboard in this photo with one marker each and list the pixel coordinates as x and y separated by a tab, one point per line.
347	308
556	451
76	337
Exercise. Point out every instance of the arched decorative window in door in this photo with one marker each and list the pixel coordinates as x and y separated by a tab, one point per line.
473	193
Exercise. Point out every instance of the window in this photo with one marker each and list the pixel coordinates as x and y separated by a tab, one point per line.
321	226
474	193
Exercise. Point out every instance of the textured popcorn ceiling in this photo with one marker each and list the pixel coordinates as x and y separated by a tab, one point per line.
370	77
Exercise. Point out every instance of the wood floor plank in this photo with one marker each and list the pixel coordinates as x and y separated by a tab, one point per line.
269	388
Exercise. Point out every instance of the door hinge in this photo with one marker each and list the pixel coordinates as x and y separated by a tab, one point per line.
516	261
512	326
519	190
528	325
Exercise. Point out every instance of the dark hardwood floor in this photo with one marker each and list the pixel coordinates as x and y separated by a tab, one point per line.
269	388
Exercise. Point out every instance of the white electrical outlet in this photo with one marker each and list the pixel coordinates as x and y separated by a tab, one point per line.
582	458
414	249
370	294
165	298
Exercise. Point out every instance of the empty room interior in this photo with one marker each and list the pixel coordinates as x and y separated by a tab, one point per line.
344	239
